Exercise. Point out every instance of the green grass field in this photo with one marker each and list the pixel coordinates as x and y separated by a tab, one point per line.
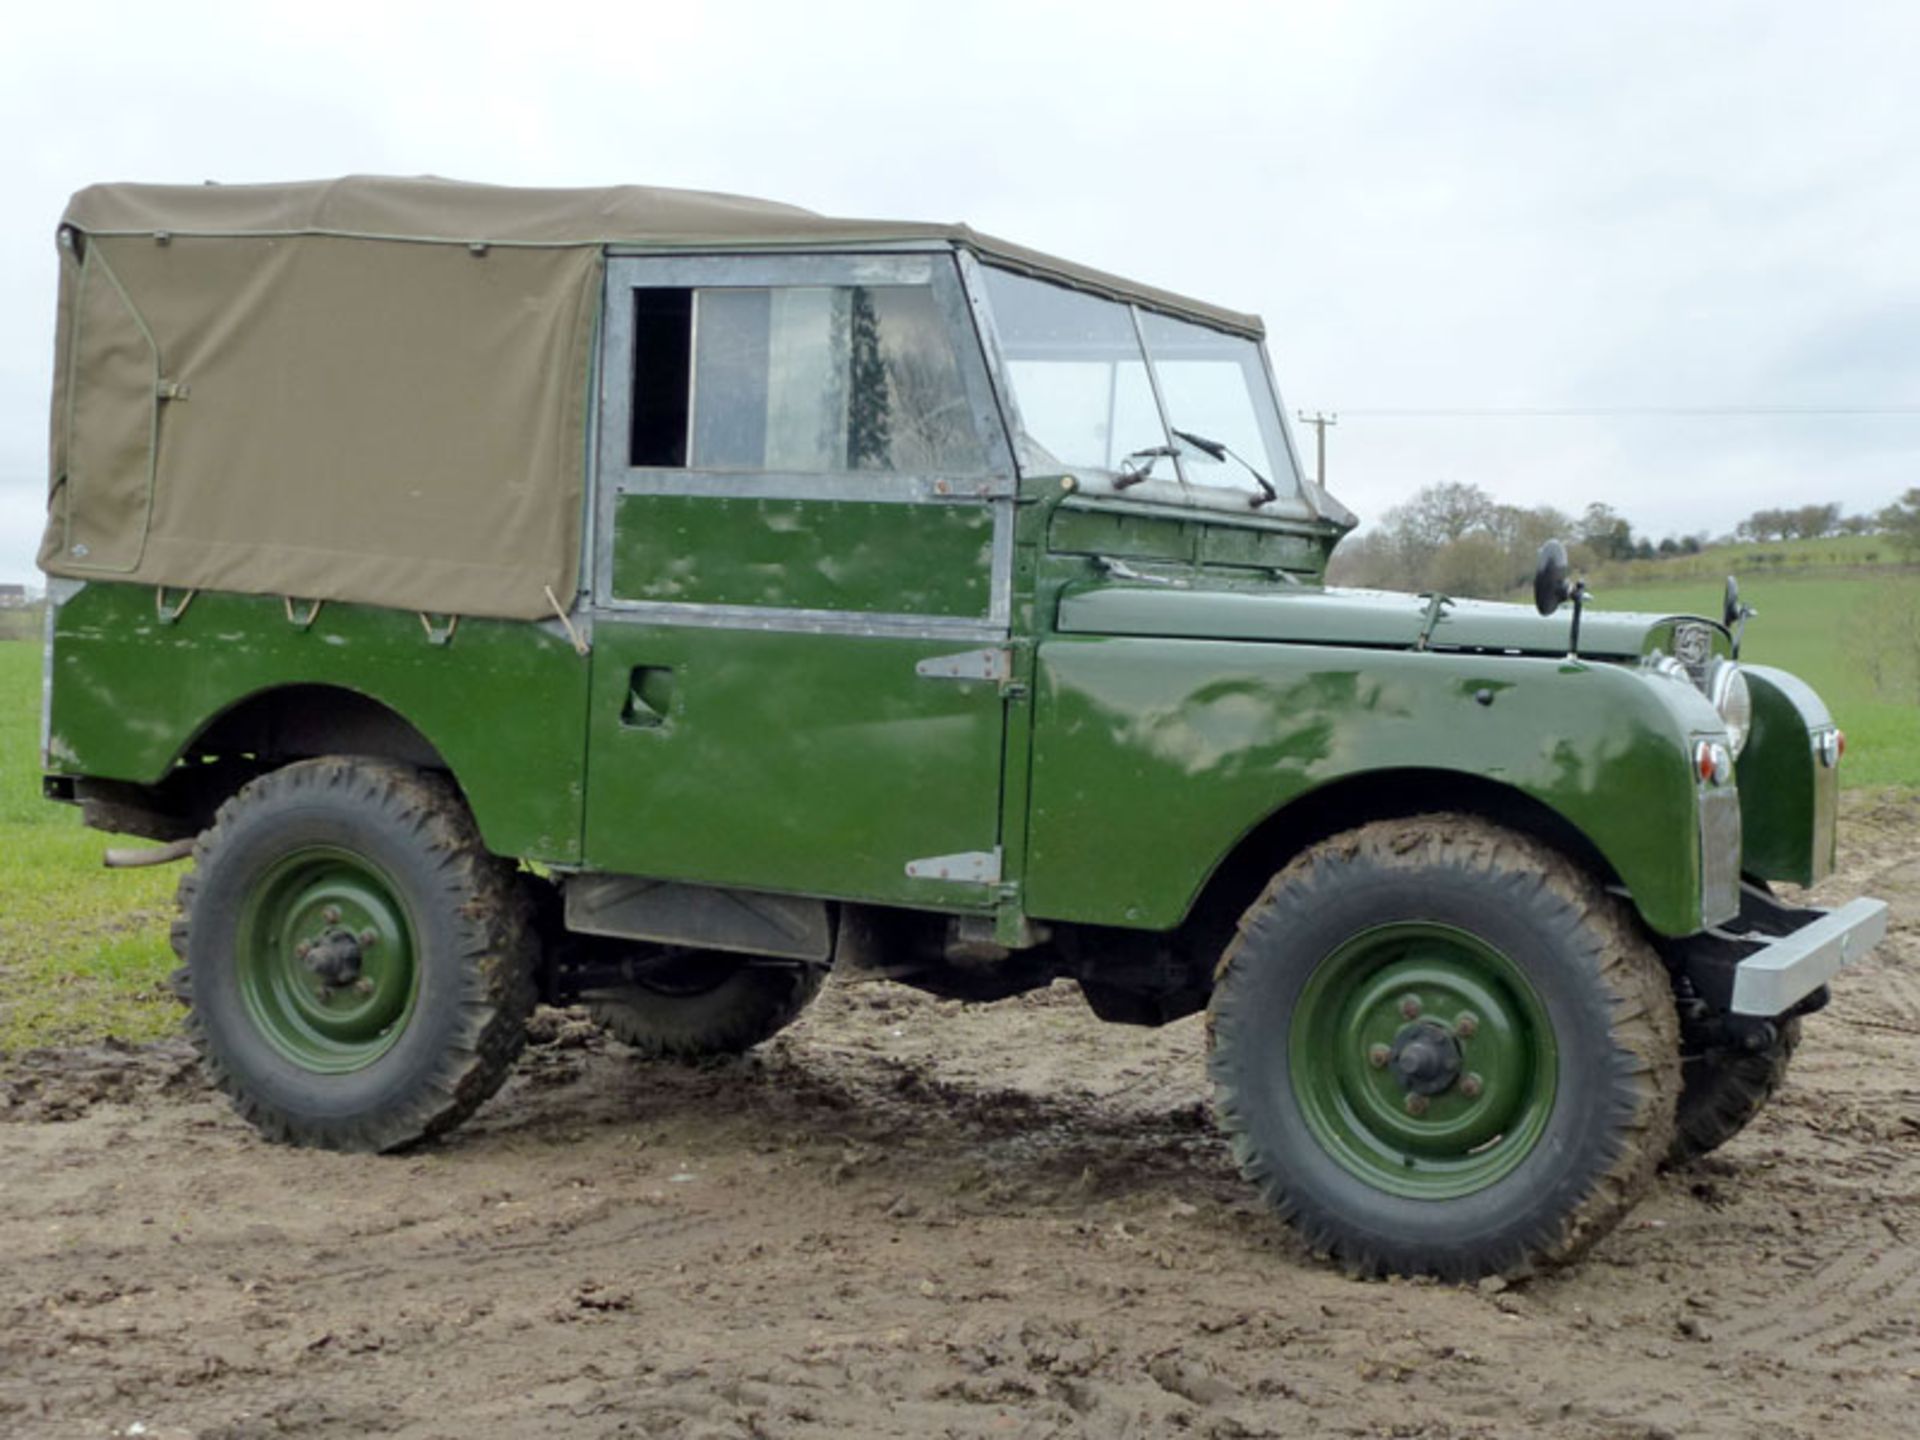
1759	560
83	950
1808	623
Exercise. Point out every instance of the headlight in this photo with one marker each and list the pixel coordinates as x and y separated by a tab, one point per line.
1668	666
1727	689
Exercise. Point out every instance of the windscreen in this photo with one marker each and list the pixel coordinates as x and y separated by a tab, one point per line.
1085	371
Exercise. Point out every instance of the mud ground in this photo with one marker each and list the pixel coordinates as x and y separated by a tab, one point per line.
915	1218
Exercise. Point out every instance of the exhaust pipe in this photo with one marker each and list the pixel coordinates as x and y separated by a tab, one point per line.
123	859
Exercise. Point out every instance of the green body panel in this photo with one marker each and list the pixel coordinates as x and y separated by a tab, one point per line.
816	763
1175	675
1154	756
1310	615
862	556
1789	801
504	702
1087	527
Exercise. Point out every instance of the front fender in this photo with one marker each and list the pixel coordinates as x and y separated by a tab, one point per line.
1153	757
1789	798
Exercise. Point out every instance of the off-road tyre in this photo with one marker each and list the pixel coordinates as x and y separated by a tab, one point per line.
1586	1016
1721	1091
457	914
746	1003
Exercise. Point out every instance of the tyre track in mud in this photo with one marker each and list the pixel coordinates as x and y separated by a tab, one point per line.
911	1217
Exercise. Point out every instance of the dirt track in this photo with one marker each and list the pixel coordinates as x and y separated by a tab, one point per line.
915	1218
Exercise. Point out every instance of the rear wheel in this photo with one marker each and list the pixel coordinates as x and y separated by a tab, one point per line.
1438	1047
1722	1090
699	1003
358	968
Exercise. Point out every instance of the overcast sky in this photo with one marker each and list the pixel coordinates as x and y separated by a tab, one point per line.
1462	206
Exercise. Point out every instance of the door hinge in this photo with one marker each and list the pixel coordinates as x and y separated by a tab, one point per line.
993	663
969	867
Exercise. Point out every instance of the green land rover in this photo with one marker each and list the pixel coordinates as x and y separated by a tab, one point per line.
655	600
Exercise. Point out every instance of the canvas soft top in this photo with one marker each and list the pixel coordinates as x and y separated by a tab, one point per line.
368	389
431	210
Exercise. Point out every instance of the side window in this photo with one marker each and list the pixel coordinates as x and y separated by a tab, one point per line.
799	380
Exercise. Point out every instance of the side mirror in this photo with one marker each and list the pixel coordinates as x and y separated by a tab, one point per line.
1551	587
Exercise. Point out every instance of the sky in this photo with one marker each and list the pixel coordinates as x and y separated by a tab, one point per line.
1637	213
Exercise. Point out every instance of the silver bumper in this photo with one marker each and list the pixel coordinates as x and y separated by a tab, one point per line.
1788	968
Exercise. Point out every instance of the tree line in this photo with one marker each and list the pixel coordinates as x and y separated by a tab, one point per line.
1455	537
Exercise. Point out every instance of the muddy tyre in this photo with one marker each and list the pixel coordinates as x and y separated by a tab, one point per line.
1438	1047
705	1004
358	969
1721	1091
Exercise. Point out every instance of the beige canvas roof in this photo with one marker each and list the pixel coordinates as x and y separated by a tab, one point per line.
451	211
366	389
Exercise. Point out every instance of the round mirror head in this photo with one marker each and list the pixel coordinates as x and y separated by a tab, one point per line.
1550	584
1731	608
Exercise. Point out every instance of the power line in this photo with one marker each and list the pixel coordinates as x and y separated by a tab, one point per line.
1616	412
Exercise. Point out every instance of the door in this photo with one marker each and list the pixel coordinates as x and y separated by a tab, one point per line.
802	567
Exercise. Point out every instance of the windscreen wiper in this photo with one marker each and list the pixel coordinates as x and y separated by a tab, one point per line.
1220	451
1132	473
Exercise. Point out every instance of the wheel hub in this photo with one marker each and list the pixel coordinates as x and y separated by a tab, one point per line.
1424	1058
334	955
327	960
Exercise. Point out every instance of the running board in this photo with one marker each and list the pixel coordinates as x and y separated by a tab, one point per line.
700	917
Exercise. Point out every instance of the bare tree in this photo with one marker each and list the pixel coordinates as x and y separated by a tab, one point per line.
1900	522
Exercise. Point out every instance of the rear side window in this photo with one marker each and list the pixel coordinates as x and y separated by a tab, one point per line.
799	380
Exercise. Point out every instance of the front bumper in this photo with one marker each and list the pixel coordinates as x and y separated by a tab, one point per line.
1787	969
1774	958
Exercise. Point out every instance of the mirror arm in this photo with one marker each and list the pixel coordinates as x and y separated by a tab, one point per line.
1579	597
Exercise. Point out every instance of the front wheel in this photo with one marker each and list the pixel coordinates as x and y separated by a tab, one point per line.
1440	1048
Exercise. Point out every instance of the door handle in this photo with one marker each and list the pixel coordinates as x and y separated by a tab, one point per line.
649	699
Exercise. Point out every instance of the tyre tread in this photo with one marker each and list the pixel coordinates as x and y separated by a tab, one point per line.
497	949
763	1001
1645	1030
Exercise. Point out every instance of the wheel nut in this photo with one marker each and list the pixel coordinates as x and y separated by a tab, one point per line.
1470	1085
368	938
1410	1006
1466	1024
1378	1055
303	949
331	914
363	986
1416	1104
320	993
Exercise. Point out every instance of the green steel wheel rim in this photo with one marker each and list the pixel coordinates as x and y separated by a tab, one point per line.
1423	1060
328	960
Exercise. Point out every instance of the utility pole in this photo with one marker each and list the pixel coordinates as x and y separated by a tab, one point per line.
1319	420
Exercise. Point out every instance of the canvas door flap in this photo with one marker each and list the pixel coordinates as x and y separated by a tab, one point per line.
111	415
